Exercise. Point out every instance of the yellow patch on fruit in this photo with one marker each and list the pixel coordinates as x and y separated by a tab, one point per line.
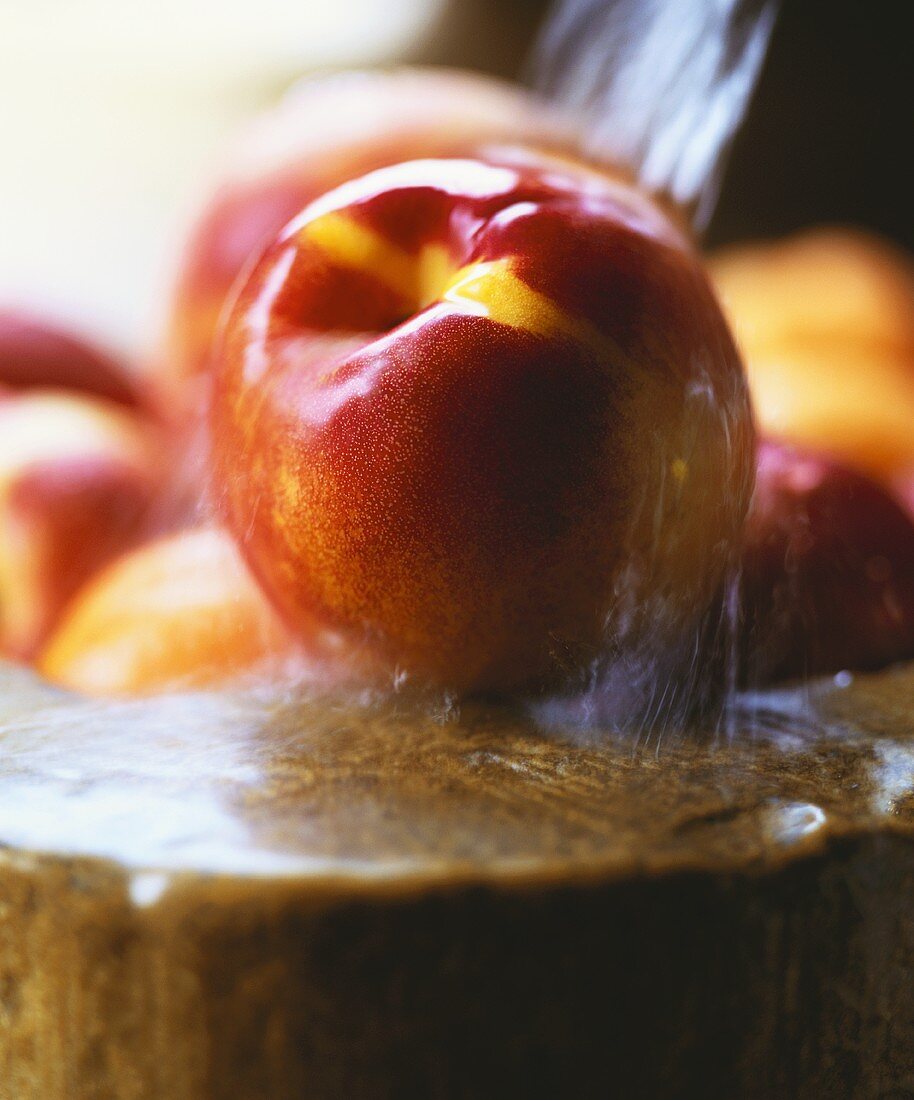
849	398
488	288
416	277
494	290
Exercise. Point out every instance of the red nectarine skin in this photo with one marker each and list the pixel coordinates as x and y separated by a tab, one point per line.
489	417
37	354
828	571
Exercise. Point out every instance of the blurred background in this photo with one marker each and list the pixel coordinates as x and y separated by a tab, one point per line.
114	115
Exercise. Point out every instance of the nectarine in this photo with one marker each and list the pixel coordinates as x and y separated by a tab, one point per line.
825	321
179	612
37	353
488	417
77	475
828	570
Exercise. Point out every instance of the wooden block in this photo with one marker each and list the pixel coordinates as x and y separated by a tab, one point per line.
229	898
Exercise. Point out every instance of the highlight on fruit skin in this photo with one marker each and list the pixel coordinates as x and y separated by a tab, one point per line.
327	130
486	418
180	612
825	321
828	570
77	477
904	489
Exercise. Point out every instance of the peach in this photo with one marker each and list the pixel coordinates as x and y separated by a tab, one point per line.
330	129
77	476
178	612
826	324
828	570
486	418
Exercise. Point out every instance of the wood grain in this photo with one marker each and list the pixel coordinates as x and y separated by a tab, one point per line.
246	897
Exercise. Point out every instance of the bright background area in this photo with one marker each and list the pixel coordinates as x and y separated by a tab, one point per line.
114	114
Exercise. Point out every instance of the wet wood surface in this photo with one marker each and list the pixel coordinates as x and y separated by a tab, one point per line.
250	896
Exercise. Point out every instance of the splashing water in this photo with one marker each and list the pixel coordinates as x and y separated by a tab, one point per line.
661	86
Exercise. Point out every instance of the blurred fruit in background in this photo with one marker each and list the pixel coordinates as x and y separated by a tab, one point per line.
79	469
825	321
180	612
37	353
828	570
